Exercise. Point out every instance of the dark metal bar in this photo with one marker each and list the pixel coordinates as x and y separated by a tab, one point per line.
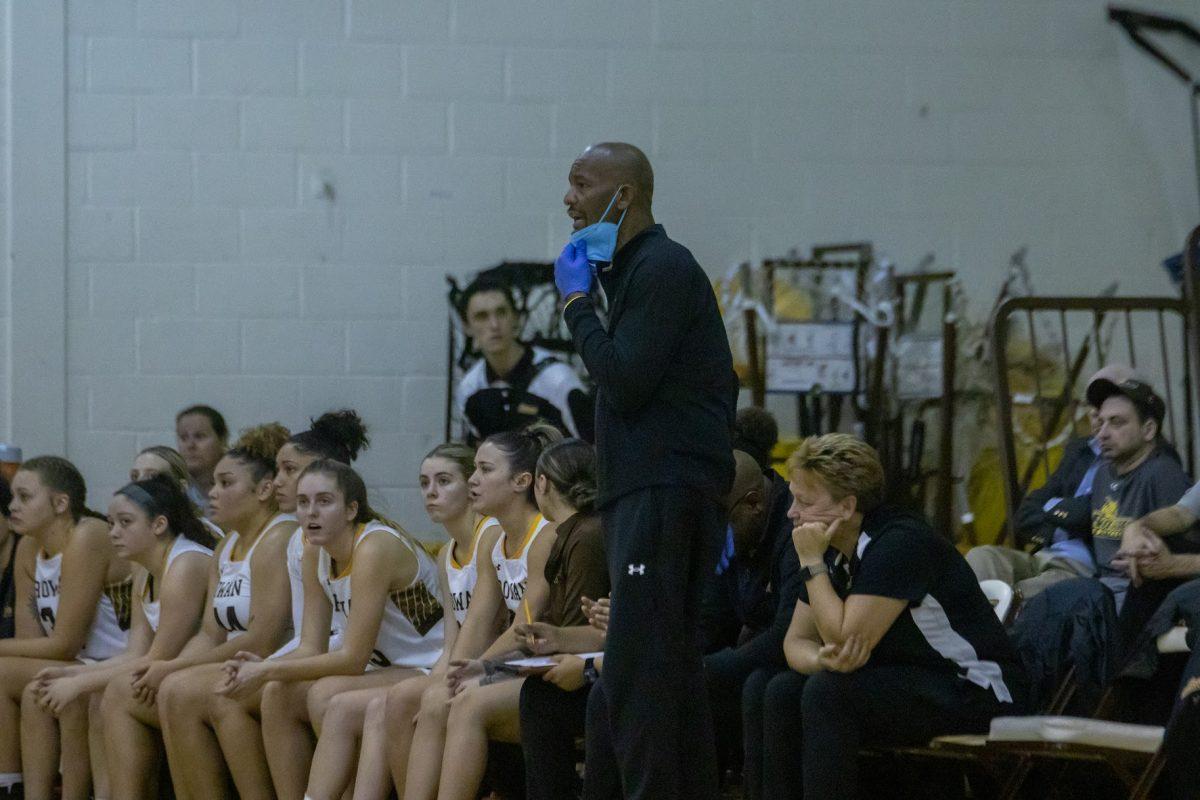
1068	388
1037	383
1191	326
449	374
945	473
1008	450
1133	21
1166	363
769	274
1129	338
1095	304
758	379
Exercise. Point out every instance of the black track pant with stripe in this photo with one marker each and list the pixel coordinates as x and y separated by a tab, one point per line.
882	705
662	543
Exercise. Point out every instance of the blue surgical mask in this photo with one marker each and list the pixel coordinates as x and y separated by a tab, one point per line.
600	238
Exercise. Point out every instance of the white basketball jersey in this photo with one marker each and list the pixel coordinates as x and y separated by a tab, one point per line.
411	631
109	632
295	568
514	572
461	578
151	594
231	602
295	564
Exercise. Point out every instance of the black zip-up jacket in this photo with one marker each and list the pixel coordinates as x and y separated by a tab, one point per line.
666	390
746	611
1073	514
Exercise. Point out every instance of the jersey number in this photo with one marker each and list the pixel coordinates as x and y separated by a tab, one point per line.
379	660
231	622
48	617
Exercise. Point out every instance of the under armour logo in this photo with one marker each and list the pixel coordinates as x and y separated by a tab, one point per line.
637	569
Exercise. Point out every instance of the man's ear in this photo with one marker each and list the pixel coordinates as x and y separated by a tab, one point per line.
625	196
1149	430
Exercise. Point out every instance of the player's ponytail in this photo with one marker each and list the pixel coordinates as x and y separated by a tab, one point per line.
522	448
570	466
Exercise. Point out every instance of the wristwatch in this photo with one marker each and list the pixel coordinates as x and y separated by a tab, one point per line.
808	573
589	670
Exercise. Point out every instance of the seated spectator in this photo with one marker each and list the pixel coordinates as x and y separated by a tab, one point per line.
900	647
1137	474
756	432
514	383
202	437
1055	518
1144	547
8	551
748	604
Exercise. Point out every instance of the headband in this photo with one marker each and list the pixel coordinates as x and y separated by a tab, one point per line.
140	496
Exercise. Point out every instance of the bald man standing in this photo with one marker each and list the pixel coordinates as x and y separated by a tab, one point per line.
664	418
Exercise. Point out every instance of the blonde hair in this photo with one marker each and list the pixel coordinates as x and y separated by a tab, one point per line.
176	466
844	464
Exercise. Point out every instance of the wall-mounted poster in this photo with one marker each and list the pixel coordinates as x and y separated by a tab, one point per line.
918	366
802	356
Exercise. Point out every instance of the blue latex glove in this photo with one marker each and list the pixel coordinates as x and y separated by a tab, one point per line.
726	552
572	272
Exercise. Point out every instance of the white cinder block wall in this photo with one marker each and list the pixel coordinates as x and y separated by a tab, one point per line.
5	266
264	195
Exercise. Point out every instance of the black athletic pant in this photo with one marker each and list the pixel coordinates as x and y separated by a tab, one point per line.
725	673
551	720
882	705
662	542
772	727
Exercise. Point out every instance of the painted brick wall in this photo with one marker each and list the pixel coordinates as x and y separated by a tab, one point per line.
5	265
264	195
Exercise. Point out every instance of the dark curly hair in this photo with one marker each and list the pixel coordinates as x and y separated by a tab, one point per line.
339	435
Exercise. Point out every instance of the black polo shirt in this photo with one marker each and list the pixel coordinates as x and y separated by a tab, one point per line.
948	625
666	390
